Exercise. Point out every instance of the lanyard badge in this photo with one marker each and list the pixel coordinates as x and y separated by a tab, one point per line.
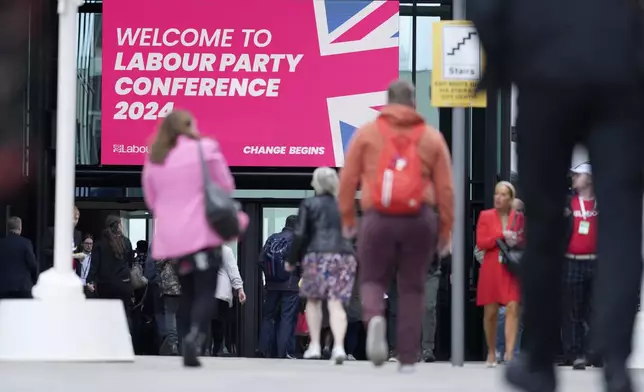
584	225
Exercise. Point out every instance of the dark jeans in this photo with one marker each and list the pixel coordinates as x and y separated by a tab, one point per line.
551	121
405	244
289	304
578	279
166	318
432	283
352	339
197	302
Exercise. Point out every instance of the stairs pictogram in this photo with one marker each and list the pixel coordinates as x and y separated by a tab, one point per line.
462	42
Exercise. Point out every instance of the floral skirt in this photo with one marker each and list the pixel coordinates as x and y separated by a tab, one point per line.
328	276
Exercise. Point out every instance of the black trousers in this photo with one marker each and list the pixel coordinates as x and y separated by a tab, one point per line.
609	120
578	277
218	326
198	279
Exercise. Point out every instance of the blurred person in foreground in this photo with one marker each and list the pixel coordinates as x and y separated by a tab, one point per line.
16	39
404	167
569	95
173	186
327	262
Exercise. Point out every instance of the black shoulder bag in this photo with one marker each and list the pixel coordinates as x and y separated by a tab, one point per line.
221	209
511	255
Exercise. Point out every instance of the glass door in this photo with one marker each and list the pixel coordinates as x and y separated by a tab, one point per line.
274	219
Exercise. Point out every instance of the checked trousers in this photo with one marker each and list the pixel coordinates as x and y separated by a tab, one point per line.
578	277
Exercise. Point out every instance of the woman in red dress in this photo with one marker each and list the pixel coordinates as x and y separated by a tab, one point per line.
497	286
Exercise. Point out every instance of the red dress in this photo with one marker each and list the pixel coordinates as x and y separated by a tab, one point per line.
496	284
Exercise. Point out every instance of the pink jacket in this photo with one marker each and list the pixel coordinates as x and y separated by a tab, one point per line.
174	194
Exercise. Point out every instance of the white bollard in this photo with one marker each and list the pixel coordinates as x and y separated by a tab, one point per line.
60	324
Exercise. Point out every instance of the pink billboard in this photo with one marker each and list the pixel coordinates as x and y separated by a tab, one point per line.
277	83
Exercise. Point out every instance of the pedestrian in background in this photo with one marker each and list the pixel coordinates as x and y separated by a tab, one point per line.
497	286
404	167
18	268
281	300
327	262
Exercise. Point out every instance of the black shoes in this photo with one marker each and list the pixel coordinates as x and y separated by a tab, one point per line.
428	356
191	347
530	379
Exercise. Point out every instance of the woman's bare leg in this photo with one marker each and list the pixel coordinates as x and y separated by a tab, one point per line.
511	328
490	318
314	321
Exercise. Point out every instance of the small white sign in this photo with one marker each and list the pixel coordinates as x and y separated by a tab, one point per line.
461	53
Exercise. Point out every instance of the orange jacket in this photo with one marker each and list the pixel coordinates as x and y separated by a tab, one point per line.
361	165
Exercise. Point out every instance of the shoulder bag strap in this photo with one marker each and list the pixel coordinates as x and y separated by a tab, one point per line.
204	165
513	224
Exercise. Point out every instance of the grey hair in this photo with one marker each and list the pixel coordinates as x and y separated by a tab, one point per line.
14	224
402	92
325	180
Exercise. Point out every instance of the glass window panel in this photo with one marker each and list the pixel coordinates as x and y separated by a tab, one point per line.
88	86
424	66
233	246
405	47
274	219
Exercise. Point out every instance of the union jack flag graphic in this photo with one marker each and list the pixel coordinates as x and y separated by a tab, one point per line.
350	27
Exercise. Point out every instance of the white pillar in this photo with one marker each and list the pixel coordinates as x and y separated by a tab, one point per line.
60	324
61	281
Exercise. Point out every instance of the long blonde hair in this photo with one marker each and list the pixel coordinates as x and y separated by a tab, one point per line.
177	123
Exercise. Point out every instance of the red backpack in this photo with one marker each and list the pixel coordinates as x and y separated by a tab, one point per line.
399	184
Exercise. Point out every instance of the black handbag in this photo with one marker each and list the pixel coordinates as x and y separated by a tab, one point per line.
510	255
221	209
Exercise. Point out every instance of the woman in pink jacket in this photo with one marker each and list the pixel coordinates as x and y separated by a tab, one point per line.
174	192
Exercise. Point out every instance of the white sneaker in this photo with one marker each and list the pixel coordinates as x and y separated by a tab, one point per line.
350	357
377	349
338	355
313	352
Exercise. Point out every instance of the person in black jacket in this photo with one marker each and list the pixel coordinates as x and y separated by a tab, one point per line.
112	258
18	267
328	264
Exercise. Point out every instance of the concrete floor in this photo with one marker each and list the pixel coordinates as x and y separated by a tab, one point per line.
164	374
